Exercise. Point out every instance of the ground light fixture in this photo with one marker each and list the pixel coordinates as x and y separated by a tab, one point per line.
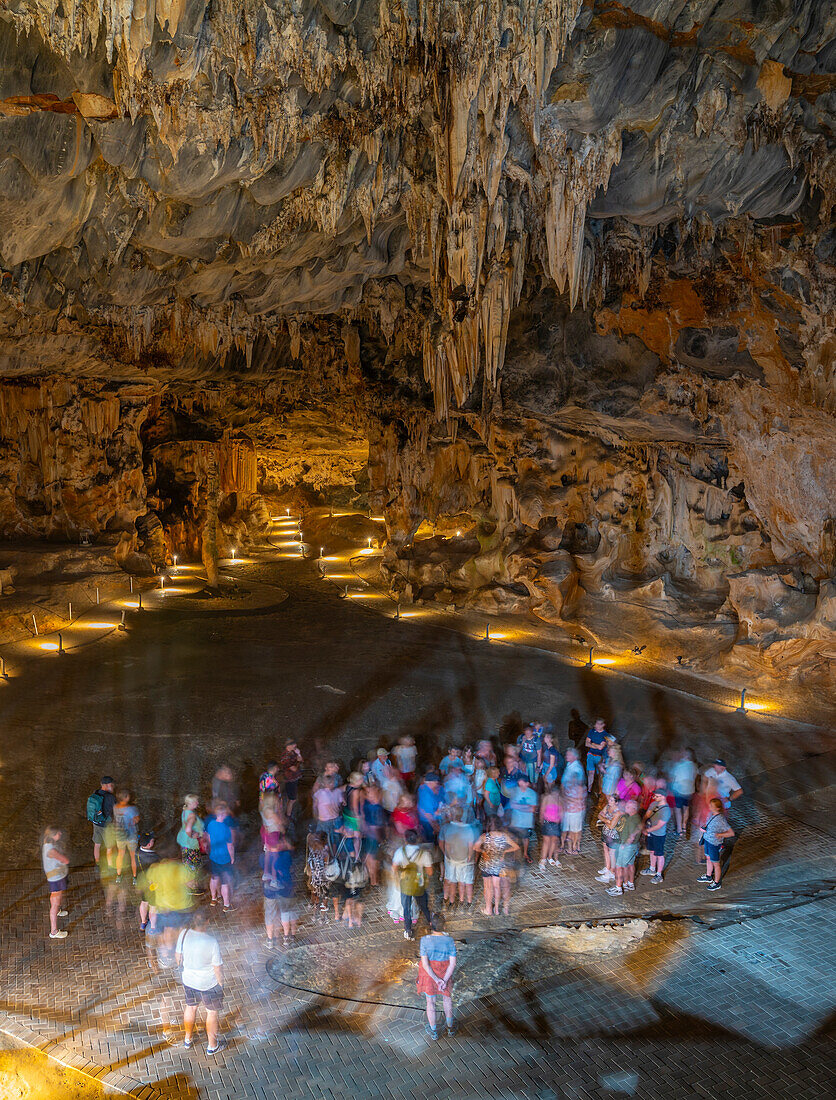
3	674
162	584
123	625
131	582
98	601
139	605
370	543
742	707
589	663
487	632
61	650
35	624
70	613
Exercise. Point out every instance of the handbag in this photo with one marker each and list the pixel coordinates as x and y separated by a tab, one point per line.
332	870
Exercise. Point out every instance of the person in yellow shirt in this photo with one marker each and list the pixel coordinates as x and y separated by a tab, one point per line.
165	886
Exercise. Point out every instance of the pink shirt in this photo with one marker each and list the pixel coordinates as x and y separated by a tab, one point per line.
328	803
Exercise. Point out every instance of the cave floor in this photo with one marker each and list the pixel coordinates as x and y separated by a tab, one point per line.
735	986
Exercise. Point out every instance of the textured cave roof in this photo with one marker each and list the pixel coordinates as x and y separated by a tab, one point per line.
270	159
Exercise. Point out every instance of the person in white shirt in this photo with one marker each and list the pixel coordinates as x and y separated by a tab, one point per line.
199	954
727	786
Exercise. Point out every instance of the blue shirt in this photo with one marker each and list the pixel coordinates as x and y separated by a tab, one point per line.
523	806
448	762
428	800
528	748
715	824
438	948
220	835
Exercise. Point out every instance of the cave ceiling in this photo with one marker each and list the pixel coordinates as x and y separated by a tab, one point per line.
214	176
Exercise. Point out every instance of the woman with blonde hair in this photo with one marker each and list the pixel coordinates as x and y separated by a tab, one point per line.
191	830
55	863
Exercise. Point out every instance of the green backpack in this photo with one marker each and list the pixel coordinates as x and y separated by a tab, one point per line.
411	878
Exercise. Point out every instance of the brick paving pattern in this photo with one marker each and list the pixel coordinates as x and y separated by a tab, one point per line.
728	993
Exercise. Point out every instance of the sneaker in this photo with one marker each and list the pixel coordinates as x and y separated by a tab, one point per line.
62	913
407	935
214	1050
647	871
431	1031
711	886
656	880
58	935
705	878
229	908
451	1030
608	876
118	880
213	901
604	871
143	926
629	886
269	944
187	1043
614	891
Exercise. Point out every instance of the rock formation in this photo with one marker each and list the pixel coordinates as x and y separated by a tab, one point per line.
564	271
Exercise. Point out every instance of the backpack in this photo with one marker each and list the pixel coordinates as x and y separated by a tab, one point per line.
95	809
411	878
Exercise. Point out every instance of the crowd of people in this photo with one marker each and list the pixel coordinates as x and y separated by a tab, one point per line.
493	807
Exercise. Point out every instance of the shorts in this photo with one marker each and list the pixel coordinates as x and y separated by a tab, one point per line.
291	789
173	918
530	769
456	870
57	884
370	846
126	843
212	998
573	823
271	910
682	801
712	851
655	844
99	834
492	874
592	761
288	909
523	834
223	871
625	854
550	828
609	842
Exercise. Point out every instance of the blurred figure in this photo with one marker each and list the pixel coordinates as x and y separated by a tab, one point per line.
126	831
219	830
189	838
56	865
100	814
551	813
292	764
494	846
225	788
608	817
146	857
574	809
413	866
456	840
716	830
682	775
628	831
435	974
655	830
596	742
199	954
405	755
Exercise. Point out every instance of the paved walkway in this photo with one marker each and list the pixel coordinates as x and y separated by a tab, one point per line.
731	990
